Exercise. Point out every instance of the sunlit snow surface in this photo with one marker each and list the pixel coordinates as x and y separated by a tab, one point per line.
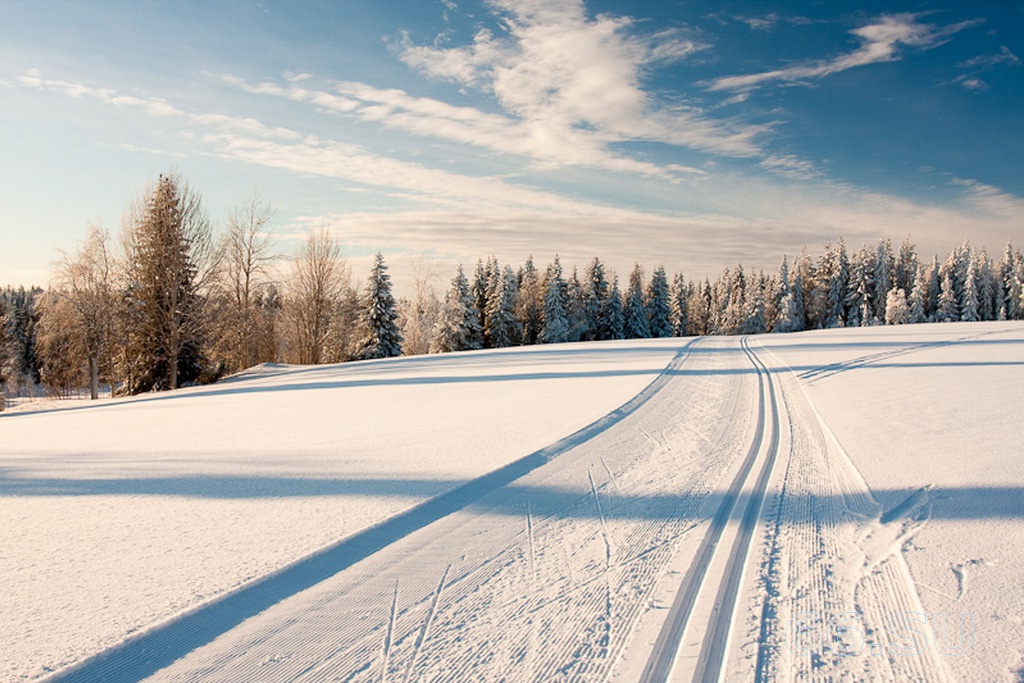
121	515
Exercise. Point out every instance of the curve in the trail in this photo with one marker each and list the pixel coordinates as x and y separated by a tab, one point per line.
713	649
662	658
146	653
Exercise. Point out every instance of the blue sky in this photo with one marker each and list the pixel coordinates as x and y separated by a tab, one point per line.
693	134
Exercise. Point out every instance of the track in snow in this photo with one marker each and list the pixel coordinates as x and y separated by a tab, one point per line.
717	629
147	653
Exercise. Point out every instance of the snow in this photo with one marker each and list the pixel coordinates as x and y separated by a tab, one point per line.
937	406
889	460
120	515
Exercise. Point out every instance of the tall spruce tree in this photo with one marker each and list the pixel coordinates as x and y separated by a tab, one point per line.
613	311
458	328
555	325
595	323
636	325
530	306
678	306
169	259
385	340
658	304
503	328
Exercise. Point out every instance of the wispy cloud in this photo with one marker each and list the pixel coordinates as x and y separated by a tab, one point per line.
976	66
881	41
560	74
1004	58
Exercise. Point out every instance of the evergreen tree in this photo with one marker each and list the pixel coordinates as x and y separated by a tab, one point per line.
575	307
530	309
734	302
634	312
882	281
755	322
481	278
860	309
169	244
384	339
916	302
613	316
679	313
458	329
595	323
791	308
969	302
906	265
555	325
20	364
934	289
658	306
947	310
896	312
1011	281
838	280
504	328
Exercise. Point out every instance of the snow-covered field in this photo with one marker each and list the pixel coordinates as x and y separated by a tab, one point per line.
821	504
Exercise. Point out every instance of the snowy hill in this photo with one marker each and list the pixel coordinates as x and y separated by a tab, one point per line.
871	471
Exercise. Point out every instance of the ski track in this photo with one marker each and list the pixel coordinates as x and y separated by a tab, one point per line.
535	586
832	565
546	577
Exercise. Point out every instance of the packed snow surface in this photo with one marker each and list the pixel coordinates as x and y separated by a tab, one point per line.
841	504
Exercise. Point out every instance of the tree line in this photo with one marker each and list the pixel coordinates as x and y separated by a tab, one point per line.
171	303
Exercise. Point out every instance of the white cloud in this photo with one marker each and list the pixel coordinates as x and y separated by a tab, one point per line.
741	217
1005	57
562	74
790	166
880	42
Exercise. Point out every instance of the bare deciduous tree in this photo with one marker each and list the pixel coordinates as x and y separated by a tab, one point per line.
246	261
84	281
319	281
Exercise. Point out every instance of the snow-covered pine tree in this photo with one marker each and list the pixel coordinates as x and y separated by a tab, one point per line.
791	316
493	294
699	308
906	265
594	325
860	311
969	302
838	279
504	329
481	280
636	325
555	325
381	318
947	310
530	309
657	304
934	282
988	296
735	302
896	312
885	264
679	313
613	312
916	301
755	322
1011	282
575	306
458	328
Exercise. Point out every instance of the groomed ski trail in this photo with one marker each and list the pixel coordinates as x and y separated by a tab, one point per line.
536	587
705	602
